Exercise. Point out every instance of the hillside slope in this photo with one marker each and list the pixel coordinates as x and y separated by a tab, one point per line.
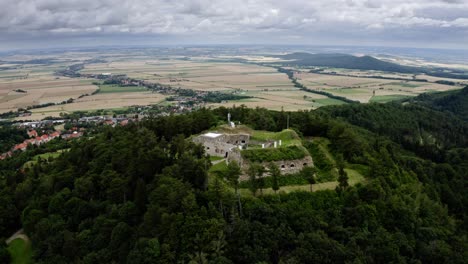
455	102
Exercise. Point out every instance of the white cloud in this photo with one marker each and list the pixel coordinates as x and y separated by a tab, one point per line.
235	17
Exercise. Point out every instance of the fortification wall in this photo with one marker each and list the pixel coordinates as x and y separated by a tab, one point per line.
285	166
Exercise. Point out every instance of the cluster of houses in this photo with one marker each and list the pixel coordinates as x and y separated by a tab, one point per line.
123	121
39	124
34	139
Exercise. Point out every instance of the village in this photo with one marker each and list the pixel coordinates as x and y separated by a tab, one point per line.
48	132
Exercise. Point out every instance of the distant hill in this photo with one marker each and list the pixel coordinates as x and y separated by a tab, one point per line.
346	61
455	102
338	60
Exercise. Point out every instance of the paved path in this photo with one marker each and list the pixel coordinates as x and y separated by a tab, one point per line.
19	234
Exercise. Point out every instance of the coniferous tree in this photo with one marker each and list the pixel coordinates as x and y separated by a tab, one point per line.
275	173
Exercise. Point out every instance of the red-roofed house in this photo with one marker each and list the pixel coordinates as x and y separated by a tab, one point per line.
55	134
32	133
21	146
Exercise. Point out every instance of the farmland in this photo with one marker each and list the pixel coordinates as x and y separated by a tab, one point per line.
100	101
23	85
40	90
265	85
198	74
365	89
32	85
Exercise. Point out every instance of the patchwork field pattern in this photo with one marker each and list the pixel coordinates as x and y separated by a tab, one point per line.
199	75
368	89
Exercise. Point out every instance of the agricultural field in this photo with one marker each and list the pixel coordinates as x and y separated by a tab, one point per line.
200	74
35	88
36	84
108	100
367	90
288	100
265	85
23	85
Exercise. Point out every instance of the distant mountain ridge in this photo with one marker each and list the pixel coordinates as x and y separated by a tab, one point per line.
339	60
346	61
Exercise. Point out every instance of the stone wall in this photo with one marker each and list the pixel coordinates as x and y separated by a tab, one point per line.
237	139
285	166
222	145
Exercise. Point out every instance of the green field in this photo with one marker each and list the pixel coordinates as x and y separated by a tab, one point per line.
44	156
110	88
20	251
387	98
405	84
328	101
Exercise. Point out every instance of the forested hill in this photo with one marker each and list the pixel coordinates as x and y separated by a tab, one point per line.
346	61
143	193
455	102
337	60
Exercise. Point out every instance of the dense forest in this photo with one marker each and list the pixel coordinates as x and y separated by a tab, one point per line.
455	102
10	136
141	193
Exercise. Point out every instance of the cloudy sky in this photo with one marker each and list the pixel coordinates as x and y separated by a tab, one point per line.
59	23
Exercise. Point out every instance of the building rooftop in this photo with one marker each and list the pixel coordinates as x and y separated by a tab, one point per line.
212	135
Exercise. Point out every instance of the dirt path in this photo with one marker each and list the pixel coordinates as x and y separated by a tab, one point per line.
19	234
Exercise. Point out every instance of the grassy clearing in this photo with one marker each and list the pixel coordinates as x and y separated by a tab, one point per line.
20	251
288	136
218	168
354	178
105	88
215	158
44	156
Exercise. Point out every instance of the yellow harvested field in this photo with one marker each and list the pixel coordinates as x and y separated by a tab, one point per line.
288	100
199	75
99	101
45	89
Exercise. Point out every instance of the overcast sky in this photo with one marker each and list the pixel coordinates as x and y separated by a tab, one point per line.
61	23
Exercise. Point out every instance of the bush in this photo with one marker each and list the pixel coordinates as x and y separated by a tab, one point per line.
274	154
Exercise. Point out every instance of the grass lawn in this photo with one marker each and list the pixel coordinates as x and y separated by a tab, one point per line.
287	136
105	88
20	251
215	158
354	177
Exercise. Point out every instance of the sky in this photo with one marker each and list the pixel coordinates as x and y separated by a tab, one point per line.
36	24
